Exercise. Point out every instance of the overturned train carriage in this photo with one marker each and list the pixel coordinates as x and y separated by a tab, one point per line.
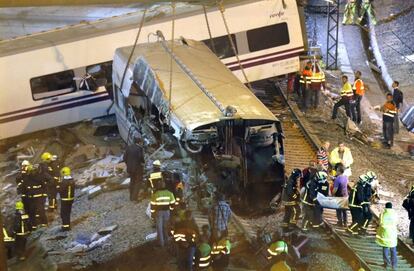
210	113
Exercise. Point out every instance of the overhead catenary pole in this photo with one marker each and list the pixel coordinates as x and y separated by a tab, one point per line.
332	35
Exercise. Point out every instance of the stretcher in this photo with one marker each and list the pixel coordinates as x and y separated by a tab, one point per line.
333	202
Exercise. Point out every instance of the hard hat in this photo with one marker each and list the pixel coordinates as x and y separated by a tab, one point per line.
46	156
19	205
65	171
296	173
25	163
321	176
371	175
278	248
156	163
54	157
364	178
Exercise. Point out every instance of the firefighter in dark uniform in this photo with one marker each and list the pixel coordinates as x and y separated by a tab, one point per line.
50	170
408	205
291	197
367	179
356	197
21	230
323	188
20	185
67	195
309	203
34	190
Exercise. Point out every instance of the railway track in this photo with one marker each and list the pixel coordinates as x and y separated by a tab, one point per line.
300	147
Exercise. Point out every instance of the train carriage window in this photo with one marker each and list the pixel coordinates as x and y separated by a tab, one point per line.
51	85
222	46
102	73
268	37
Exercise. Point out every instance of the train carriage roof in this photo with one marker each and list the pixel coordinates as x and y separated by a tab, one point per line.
191	105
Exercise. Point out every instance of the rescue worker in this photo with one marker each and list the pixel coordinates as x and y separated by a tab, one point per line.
156	174
21	230
317	84
221	254
408	205
323	188
387	236
398	98
366	203
291	197
308	203
356	197
162	203
343	155
34	189
359	91
185	234
367	10
20	186
308	173
305	82
388	117
8	242
134	160
50	170
202	258
174	185
322	156
277	254
347	96
67	196
350	13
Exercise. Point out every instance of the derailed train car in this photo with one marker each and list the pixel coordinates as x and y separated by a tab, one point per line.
208	111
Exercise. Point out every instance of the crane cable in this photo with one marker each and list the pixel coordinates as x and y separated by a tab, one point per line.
213	47
221	8
133	48
130	56
171	62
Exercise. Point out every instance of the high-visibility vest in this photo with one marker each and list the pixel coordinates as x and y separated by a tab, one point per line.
390	110
347	90
387	233
306	76
359	87
221	247
154	178
162	200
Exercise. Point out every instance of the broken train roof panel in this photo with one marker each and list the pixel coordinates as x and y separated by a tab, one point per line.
191	106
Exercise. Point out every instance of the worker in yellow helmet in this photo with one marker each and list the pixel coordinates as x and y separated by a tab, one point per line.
50	170
67	196
21	230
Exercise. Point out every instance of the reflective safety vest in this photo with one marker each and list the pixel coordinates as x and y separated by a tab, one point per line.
347	90
154	178
67	189
306	76
387	233
162	200
317	80
6	237
21	226
203	255
280	266
359	87
221	247
390	110
277	248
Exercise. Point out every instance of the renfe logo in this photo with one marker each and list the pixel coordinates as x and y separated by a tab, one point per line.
278	14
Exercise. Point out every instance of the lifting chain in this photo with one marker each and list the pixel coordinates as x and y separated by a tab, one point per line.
221	8
209	31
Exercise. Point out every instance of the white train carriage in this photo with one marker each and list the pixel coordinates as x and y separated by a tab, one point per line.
38	89
209	112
